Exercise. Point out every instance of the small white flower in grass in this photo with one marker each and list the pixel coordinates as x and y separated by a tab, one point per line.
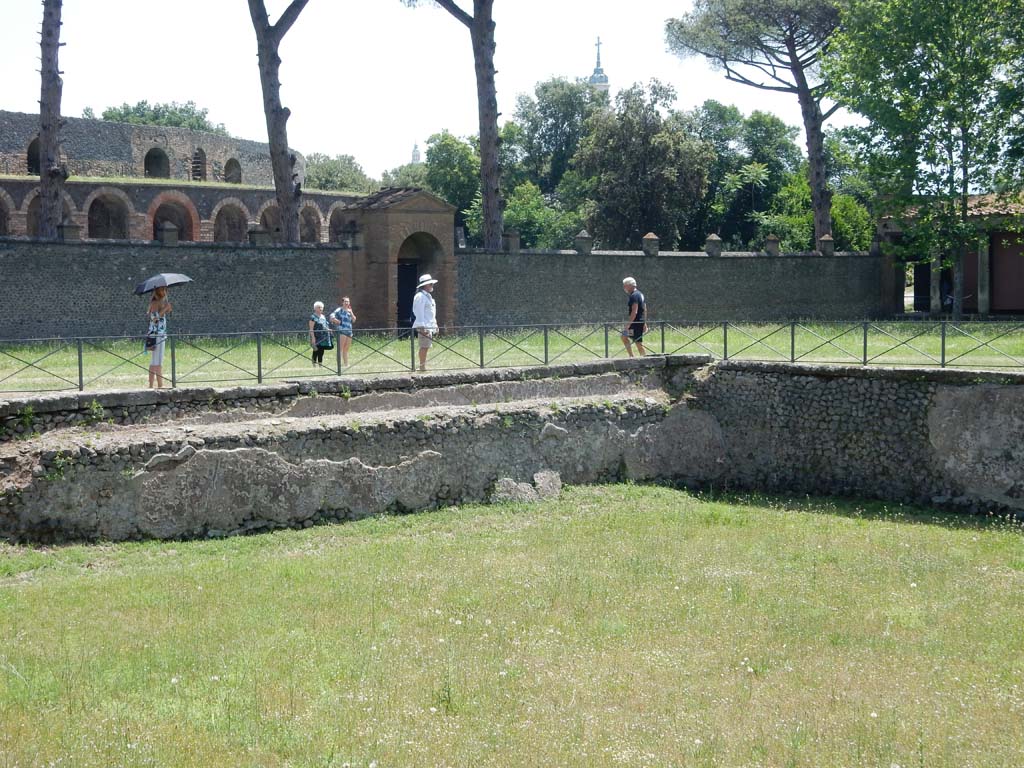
433	709
373	764
913	584
698	742
215	678
874	714
440	639
174	681
458	622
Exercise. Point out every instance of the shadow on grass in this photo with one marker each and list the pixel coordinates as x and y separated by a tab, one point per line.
860	508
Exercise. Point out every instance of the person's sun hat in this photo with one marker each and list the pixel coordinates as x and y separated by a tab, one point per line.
425	280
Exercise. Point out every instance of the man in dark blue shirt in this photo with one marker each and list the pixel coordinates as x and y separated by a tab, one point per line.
633	333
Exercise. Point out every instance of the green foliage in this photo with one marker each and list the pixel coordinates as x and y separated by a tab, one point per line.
408	175
540	224
172	114
453	171
553	123
340	173
932	78
645	173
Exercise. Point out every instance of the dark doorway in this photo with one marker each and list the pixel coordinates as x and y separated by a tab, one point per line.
33	162
232	172
176	214
108	218
408	273
199	165
157	164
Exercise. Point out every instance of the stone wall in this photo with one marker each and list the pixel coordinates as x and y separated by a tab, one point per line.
556	287
101	148
85	289
923	436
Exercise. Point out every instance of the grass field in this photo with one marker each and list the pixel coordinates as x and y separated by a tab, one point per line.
120	363
619	625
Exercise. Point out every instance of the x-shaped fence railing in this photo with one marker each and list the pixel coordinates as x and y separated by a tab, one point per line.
55	364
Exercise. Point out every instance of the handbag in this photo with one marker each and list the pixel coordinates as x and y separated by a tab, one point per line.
150	341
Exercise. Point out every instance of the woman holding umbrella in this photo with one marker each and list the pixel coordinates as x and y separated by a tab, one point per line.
159	308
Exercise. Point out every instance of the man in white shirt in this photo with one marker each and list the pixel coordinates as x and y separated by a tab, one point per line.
424	314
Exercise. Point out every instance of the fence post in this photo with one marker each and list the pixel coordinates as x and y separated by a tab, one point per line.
81	376
792	342
662	324
865	357
725	340
259	358
545	345
412	350
481	332
174	369
942	354
606	339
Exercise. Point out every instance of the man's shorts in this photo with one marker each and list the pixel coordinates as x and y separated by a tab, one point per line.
426	338
636	332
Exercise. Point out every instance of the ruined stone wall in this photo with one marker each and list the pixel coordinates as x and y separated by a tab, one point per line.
556	287
101	148
935	437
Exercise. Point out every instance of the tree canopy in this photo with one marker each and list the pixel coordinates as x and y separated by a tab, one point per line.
773	45
171	114
340	173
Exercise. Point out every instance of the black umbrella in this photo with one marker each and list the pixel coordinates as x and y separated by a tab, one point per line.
163	280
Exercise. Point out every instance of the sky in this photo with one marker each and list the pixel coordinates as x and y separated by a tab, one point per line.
367	78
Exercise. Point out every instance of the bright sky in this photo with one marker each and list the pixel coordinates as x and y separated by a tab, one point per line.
368	78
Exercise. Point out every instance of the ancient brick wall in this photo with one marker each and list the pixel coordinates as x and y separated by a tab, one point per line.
562	286
100	148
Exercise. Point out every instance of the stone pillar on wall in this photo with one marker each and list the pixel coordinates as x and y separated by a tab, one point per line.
167	234
826	245
69	231
713	245
771	245
510	241
584	243
984	275
650	244
259	236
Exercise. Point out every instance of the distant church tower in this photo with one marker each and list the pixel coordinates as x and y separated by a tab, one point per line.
599	80
415	154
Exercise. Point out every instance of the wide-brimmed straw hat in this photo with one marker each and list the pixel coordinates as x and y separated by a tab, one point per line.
425	280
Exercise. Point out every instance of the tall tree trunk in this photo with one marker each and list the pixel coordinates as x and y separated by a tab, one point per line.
52	173
481	31
821	195
268	38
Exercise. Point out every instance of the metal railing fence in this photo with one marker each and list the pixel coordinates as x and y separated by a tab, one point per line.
110	362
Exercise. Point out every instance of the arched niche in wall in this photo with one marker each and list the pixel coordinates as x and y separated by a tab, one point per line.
339	226
231	225
5	218
32	216
108	218
233	171
309	225
33	162
199	165
270	220
177	215
157	164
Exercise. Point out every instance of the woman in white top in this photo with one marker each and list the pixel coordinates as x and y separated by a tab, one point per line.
424	316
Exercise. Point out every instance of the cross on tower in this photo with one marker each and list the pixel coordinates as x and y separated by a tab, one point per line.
598	44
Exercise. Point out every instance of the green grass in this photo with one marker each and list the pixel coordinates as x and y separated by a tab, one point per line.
620	625
111	364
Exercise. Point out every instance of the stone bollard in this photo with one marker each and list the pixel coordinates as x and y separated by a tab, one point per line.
68	231
826	245
771	245
510	241
650	244
713	245
167	234
460	238
259	236
584	243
